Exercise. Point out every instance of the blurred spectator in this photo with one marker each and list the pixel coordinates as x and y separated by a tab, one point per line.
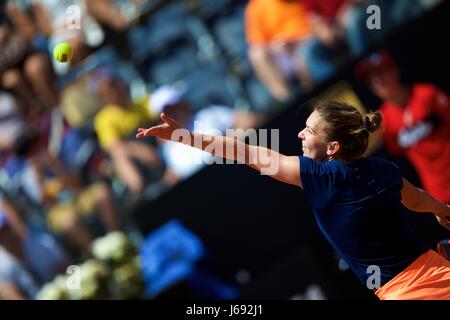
57	23
274	31
28	257
12	123
78	104
116	17
23	70
16	283
46	183
116	123
116	14
416	121
182	160
81	27
328	19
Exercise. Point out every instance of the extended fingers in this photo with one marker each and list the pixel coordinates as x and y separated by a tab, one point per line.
142	132
167	119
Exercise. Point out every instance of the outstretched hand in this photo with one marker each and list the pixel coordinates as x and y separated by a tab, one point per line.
163	131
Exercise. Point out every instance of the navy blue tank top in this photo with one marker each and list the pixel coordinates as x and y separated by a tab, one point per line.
358	208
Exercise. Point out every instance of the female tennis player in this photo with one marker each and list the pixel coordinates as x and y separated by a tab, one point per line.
358	202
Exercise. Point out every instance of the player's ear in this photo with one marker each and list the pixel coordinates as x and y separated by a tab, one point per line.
333	148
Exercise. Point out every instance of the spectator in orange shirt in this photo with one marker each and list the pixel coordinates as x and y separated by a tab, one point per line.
274	29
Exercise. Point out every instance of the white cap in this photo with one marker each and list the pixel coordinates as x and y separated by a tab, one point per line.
164	96
8	105
13	125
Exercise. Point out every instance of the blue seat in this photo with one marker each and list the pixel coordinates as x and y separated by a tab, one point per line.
158	32
230	33
211	84
170	255
207	9
260	98
178	63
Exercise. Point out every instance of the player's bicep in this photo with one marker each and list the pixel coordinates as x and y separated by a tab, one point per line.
289	170
410	195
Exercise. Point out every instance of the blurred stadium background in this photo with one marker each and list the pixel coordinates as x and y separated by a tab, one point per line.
212	232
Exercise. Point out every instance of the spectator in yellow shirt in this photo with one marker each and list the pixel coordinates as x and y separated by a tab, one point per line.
116	122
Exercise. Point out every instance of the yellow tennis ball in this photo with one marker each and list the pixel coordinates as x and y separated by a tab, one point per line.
63	52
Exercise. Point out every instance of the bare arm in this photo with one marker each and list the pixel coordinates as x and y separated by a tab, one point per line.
42	162
43	20
322	30
70	179
106	12
9	291
269	74
280	167
419	200
22	21
14	218
124	166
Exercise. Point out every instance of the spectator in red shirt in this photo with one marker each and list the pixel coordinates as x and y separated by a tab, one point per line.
416	121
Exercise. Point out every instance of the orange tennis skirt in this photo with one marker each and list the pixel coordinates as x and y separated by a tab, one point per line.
427	278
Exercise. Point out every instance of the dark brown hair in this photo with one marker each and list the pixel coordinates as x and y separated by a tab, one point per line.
345	124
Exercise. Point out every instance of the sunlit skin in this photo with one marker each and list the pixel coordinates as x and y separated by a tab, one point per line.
315	144
313	138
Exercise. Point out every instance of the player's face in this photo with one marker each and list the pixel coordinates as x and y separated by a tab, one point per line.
313	138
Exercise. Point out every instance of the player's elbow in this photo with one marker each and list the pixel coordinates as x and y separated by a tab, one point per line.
410	196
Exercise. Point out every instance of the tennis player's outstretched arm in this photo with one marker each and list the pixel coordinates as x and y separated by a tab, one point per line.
287	168
419	200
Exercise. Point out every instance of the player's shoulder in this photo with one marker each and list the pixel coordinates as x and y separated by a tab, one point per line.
308	164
